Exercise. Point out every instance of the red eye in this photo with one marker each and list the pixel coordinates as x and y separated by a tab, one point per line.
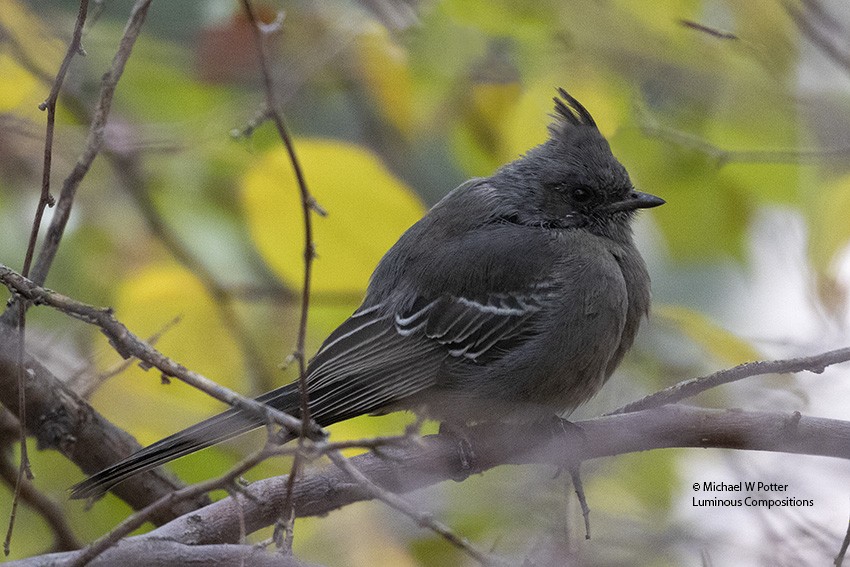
581	195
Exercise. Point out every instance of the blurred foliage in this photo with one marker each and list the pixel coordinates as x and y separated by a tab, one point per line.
371	201
387	120
725	346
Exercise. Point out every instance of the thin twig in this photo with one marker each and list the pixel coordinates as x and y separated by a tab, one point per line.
126	166
94	142
284	527
52	513
128	344
24	470
136	520
307	202
86	387
688	388
45	200
818	36
578	486
713	32
722	156
423	519
816	9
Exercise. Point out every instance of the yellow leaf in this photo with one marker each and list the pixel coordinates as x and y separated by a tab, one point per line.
35	51
829	225
504	123
479	142
137	399
719	342
384	66
17	86
368	209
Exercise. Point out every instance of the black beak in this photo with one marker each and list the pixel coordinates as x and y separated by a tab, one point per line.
637	200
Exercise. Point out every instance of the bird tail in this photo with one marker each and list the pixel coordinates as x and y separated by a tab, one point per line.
214	430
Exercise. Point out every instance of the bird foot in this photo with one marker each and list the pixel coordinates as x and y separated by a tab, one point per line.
466	454
564	427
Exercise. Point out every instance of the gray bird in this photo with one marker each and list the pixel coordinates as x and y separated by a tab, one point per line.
514	298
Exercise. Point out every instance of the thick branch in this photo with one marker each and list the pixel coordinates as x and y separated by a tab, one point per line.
436	459
153	553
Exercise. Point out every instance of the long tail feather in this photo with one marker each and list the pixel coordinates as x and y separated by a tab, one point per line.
214	430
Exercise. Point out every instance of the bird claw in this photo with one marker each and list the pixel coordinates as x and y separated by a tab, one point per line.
466	454
564	427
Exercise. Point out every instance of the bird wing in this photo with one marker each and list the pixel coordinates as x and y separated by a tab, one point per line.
374	359
377	358
477	330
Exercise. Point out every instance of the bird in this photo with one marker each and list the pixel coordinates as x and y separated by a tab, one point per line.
513	299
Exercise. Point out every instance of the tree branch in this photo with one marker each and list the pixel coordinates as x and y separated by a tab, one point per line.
61	420
154	553
64	538
723	156
689	388
435	459
129	345
93	145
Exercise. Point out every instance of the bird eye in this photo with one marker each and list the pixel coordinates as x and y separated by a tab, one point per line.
581	195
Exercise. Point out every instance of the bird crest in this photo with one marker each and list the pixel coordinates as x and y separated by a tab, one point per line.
569	113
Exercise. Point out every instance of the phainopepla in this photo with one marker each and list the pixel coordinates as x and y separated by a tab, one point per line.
514	298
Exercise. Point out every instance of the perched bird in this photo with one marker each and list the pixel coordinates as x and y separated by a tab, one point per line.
514	298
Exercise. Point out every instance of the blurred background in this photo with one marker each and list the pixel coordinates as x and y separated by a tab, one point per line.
189	225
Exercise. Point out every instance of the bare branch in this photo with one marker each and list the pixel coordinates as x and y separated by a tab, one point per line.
84	383
152	553
63	536
94	142
423	519
713	32
723	156
405	468
689	388
128	344
61	420
45	200
308	204
817	35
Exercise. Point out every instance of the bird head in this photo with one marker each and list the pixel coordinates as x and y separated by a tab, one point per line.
573	179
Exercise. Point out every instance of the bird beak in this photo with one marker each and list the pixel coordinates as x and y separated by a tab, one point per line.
636	200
